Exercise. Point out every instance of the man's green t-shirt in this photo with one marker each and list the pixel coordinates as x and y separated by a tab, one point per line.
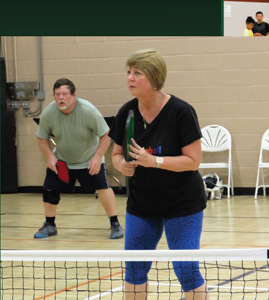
76	134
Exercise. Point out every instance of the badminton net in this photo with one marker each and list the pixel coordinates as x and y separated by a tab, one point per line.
86	275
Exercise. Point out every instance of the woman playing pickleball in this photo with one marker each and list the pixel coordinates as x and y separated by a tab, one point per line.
166	190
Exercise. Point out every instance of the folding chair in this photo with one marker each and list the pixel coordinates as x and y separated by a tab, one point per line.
217	139
262	165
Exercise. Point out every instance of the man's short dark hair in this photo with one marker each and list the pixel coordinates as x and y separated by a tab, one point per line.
259	13
64	81
250	20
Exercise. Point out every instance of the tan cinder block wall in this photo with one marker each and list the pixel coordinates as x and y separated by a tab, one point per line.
225	79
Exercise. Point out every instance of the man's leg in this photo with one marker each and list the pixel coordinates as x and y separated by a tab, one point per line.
106	195
108	201
51	198
50	210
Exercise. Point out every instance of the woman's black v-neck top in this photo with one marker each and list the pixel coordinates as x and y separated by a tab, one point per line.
158	192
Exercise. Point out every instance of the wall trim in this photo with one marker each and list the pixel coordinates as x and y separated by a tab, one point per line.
239	191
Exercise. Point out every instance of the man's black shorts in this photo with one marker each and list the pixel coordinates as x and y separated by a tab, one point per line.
87	181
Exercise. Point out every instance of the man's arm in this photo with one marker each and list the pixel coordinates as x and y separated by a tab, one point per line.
44	146
95	162
104	143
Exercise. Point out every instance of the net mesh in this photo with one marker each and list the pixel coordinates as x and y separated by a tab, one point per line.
72	278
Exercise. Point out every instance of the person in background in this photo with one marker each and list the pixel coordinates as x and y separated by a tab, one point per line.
81	136
260	28
249	25
166	190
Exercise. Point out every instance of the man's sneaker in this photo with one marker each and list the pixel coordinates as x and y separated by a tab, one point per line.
45	231
116	231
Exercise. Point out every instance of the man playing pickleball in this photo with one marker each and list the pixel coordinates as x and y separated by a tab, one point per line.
81	136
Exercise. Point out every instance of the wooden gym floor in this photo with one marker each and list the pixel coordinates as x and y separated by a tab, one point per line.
240	222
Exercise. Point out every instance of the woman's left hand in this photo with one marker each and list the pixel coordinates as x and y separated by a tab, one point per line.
141	156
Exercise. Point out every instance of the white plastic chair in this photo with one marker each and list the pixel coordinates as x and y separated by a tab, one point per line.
217	139
262	165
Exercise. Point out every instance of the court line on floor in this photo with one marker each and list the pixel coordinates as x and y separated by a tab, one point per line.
78	285
210	287
235	278
97	296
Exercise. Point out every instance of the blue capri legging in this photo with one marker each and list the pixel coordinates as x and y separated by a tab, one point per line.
181	233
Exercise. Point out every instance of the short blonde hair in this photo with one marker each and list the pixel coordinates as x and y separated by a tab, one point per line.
150	62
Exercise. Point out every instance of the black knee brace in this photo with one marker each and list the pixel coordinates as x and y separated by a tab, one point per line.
51	197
